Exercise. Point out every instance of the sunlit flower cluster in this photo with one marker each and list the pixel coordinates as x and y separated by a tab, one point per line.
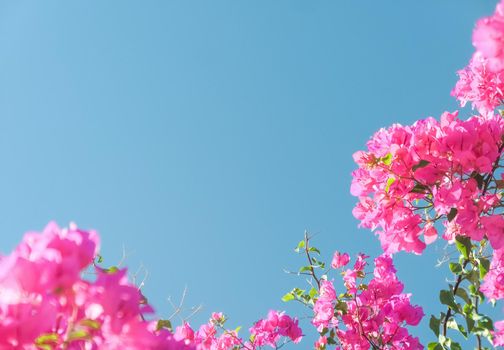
47	303
432	171
371	315
481	82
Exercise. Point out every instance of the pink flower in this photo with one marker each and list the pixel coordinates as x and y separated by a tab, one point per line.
339	260
493	284
321	343
268	331
498	334
184	333
431	169
324	306
488	38
378	312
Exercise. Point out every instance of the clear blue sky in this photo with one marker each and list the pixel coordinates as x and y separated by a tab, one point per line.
206	136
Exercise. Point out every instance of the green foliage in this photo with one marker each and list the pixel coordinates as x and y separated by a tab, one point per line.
421	164
390	181
463	244
462	298
164	324
47	341
451	215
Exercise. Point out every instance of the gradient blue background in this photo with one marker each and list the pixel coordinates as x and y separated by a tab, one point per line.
206	136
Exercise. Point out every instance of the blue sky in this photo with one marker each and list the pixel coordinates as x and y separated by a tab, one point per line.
204	137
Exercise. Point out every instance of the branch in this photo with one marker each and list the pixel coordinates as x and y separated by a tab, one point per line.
455	288
312	270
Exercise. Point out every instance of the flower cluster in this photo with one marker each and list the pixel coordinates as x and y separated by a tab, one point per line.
45	303
372	315
499	334
267	331
480	86
481	82
446	175
436	175
493	285
413	176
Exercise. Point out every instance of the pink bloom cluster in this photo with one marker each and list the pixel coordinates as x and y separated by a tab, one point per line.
448	172
323	309
373	315
46	303
481	82
498	334
480	86
208	337
488	38
339	260
493	285
267	331
413	176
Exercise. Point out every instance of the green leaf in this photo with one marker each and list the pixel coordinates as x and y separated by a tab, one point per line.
470	323
451	215
434	346
288	297
111	270
474	278
486	323
484	267
463	244
454	325
300	246
305	268
331	341
421	164
314	250
318	264
78	335
46	339
342	306
163	324
472	289
44	347
419	188
455	346
446	298
387	160
479	179
90	324
467	309
298	291
434	324
456	268
313	292
462	293
390	181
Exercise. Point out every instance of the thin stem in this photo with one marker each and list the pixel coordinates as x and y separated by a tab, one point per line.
478	337
455	288
495	166
312	270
